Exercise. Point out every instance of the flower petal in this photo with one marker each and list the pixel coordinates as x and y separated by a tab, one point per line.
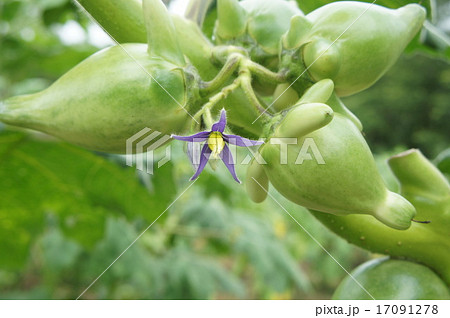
227	159
220	125
198	137
204	156
241	141
193	151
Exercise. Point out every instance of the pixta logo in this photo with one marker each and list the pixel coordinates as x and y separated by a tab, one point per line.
140	150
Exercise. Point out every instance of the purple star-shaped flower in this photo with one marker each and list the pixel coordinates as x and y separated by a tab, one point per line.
216	145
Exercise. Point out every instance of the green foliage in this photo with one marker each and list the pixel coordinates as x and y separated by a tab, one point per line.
78	187
66	214
33	56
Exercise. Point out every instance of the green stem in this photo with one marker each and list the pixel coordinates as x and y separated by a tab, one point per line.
246	84
265	74
206	109
230	66
235	60
220	54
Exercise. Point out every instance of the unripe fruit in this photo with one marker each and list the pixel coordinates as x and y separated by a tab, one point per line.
392	279
256	183
429	191
107	98
345	182
322	58
355	43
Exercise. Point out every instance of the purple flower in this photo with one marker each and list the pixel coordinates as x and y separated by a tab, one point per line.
216	145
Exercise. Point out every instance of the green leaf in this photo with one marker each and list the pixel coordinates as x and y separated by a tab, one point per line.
78	187
58	252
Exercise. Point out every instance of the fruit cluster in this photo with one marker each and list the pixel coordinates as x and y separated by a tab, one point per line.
279	74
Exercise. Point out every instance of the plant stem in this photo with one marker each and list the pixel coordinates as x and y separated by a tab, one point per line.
246	84
265	74
235	61
206	109
230	66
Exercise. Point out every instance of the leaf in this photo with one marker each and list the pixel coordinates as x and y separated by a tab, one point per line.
79	188
58	252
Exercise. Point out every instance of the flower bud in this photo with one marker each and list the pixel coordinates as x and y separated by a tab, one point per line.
323	92
320	92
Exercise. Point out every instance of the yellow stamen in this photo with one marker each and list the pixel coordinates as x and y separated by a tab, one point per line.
216	143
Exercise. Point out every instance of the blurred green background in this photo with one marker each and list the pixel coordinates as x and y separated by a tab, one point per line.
67	213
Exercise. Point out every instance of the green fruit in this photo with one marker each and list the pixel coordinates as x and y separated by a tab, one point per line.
193	44
428	190
341	178
352	43
323	59
256	183
108	98
231	20
392	279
